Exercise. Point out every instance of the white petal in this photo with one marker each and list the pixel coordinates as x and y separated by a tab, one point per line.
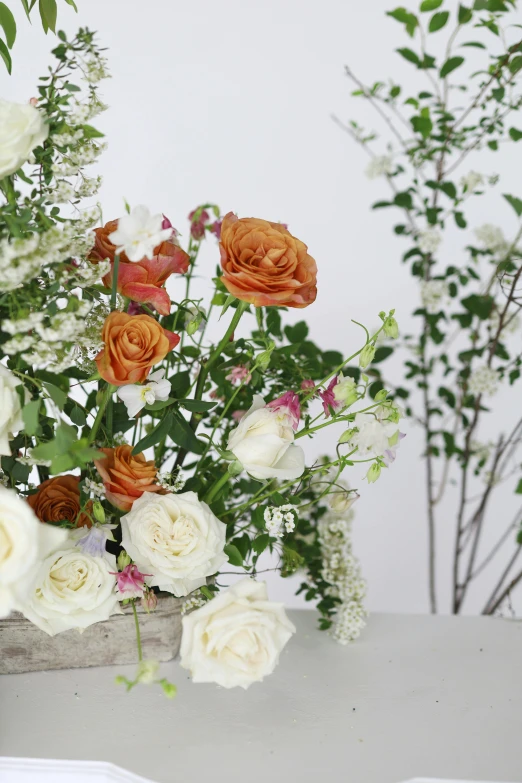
131	396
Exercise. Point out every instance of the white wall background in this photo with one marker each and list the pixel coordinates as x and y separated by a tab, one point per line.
230	102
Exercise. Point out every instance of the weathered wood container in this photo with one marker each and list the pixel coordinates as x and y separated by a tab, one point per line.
25	648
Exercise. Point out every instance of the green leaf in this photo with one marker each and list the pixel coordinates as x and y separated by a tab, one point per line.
403	200
197	406
465	15
180	383
73	4
297	333
460	220
182	433
449	189
422	125
515	134
475	44
518	490
430	5
406	18
438	21
382	353
7	21
479	305
26	9
516	64
450	65
160	405
516	203
233	554
6	57
91	133
48	13
30	416
409	55
260	543
58	396
160	431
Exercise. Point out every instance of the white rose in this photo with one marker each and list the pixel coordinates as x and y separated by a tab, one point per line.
22	128
263	442
175	540
10	409
24	540
72	589
236	638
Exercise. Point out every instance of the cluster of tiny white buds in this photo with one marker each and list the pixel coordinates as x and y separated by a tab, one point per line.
433	294
491	237
31	461
94	489
484	380
192	602
119	439
471	181
380	166
429	241
173	482
280	519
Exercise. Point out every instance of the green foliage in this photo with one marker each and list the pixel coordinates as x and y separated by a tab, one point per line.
48	11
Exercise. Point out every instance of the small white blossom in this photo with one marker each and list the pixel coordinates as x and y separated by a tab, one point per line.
483	380
280	519
491	237
193	601
62	192
94	489
18	344
136	396
173	482
373	434
95	69
139	233
429	241
22	325
471	181
32	461
380	166
434	293
342	571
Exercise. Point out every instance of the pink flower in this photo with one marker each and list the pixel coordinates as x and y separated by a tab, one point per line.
149	601
131	582
238	415
167	224
328	397
307	385
216	228
238	374
288	404
135	309
197	227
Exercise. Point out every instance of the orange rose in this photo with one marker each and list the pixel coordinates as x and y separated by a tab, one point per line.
263	264
58	499
133	344
126	477
141	281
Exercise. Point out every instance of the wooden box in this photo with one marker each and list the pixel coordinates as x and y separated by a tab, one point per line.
25	648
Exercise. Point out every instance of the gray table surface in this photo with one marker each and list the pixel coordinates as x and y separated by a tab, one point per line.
415	696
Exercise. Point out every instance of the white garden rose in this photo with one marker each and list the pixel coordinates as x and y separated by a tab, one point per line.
22	128
10	409
263	442
72	589
175	540
236	638
24	541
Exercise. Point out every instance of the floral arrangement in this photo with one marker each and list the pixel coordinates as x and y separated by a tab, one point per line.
467	343
140	456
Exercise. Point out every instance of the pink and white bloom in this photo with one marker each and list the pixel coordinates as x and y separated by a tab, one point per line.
328	397
239	375
130	582
288	404
138	233
263	442
136	396
308	385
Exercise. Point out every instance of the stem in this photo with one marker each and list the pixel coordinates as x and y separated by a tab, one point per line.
214	489
114	291
205	368
138	634
109	390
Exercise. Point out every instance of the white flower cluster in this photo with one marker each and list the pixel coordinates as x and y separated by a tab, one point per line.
380	166
32	461
483	380
433	294
94	489
511	322
279	517
491	237
471	181
429	241
95	68
193	601
173	482
342	571
23	259
87	274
